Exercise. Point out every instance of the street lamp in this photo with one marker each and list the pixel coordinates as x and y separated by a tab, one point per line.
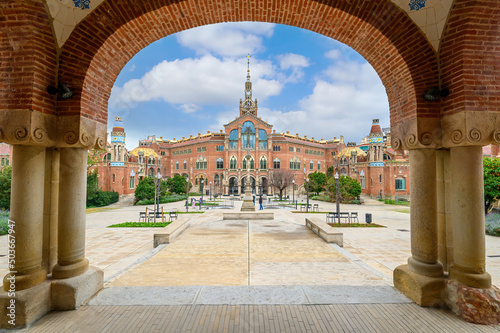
158	177
187	194
307	190
293	193
337	199
210	190
201	192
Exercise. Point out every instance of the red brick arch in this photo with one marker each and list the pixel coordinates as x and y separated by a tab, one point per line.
110	36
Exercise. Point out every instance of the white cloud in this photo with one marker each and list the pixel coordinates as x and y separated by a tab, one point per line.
334	54
291	60
227	39
343	102
193	82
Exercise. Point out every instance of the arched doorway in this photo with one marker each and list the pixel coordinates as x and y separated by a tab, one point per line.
233	185
244	184
444	134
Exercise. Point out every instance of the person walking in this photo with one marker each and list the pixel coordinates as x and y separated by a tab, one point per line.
260	203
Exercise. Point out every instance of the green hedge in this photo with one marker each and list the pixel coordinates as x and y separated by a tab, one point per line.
102	198
166	199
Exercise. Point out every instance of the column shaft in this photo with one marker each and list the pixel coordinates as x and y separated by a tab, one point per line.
72	201
468	217
26	212
423	214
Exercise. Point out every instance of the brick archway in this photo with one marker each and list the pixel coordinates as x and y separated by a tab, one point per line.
112	34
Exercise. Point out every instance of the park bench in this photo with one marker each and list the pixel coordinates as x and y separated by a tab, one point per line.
345	216
354	215
305	207
331	216
142	215
172	216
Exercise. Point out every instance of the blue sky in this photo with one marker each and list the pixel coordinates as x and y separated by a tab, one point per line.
191	82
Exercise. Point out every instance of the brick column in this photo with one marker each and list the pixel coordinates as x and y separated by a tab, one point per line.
26	212
72	202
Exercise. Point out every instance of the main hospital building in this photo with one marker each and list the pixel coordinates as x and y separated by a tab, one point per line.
220	158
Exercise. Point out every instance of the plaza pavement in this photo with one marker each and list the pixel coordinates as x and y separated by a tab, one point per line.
262	263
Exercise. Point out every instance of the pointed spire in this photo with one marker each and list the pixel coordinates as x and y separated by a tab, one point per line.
248	67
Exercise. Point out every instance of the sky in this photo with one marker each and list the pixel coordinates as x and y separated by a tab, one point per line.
191	82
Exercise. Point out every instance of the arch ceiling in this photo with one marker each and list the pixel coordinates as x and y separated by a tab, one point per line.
429	15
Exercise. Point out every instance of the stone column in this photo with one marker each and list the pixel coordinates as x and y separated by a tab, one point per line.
72	201
445	240
423	214
26	212
468	217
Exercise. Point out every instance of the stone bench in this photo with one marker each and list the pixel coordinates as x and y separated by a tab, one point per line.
171	231
326	232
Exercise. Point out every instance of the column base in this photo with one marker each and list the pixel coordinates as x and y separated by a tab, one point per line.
422	268
68	271
474	280
248	206
421	289
29	305
474	305
69	294
33	303
27	281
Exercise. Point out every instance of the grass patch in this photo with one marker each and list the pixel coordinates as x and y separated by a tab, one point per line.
356	225
139	225
492	224
401	210
91	210
393	202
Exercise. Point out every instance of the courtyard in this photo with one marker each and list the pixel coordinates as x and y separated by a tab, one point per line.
224	275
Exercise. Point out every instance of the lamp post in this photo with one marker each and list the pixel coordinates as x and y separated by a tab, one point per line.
293	192
210	190
187	194
201	192
337	196
158	177
307	190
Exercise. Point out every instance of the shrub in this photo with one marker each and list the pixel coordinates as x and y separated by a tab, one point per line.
5	181
102	198
493	224
4	222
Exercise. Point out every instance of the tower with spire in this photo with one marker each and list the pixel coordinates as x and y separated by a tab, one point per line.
248	105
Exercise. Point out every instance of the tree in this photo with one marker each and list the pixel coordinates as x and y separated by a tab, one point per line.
146	188
317	182
349	188
5	182
330	172
177	184
281	179
491	173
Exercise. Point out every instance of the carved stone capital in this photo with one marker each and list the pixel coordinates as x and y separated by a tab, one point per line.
471	128
416	134
27	127
78	132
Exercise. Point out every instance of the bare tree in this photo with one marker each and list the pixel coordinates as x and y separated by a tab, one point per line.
281	179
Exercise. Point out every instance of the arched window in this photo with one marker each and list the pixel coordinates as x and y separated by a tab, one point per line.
114	178
319	165
232	163
380	178
362	181
201	163
151	172
294	163
262	139
263	163
220	163
177	165
107	157
233	139
184	165
247	135
252	163
276	163
311	165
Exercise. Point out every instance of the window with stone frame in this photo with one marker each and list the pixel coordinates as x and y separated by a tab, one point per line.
233	162
311	165
263	163
219	163
400	184
233	139
184	165
276	163
177	165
